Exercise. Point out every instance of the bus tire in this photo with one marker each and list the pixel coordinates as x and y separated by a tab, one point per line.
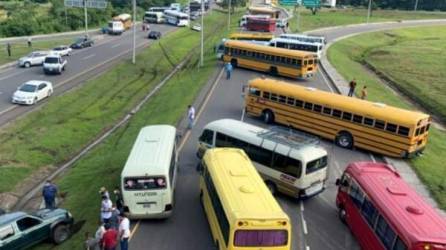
234	62
342	215
344	140
217	245
272	187
268	116
273	71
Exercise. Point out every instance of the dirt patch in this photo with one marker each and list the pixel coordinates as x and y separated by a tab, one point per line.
7	201
44	150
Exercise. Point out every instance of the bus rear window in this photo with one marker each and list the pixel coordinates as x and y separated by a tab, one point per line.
260	238
315	165
144	183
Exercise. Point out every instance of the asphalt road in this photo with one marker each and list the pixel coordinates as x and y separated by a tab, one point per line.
83	64
315	222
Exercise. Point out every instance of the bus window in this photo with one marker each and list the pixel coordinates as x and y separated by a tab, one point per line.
403	130
287	165
144	183
260	238
315	165
207	136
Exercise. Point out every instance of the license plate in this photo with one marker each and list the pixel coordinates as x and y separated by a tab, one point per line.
314	188
146	205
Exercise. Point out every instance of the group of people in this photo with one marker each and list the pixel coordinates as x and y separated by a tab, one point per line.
352	87
8	46
114	226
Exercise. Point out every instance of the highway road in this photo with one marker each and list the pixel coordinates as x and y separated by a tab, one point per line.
315	222
82	65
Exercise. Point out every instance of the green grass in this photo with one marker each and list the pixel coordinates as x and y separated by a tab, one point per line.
66	124
19	49
348	55
107	160
336	17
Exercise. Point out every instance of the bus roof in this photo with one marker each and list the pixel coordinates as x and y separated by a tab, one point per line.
269	49
301	35
405	210
263	9
252	36
251	134
243	192
122	17
294	41
152	151
355	105
175	13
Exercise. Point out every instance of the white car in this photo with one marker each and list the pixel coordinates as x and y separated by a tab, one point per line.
54	64
196	27
32	91
33	58
62	50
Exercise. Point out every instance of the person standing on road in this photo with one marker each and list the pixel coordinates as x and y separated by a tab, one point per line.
106	209
190	116
364	93
29	42
228	68
110	238
352	86
118	200
49	193
124	232
8	49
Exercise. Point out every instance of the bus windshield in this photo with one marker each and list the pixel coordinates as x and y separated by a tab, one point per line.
317	164
260	238
144	183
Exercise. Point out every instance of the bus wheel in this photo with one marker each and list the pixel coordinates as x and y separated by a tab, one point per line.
342	214
268	116
344	140
217	245
273	71
272	187
234	62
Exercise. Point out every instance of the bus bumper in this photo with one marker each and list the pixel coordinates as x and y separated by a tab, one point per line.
312	191
162	215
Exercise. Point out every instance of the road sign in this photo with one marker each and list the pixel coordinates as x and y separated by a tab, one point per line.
96	4
311	3
288	2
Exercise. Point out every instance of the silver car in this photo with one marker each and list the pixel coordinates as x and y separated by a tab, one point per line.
33	58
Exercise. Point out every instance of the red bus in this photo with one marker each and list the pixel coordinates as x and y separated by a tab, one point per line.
383	212
261	24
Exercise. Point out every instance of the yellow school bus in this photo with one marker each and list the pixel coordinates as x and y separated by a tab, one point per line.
241	211
349	121
258	36
273	13
276	61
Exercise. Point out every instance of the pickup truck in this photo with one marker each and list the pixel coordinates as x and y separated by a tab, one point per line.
54	64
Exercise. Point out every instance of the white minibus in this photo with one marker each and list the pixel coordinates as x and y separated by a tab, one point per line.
290	162
153	17
285	43
148	177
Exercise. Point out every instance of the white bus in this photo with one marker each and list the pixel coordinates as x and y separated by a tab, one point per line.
148	177
176	18
316	48
153	17
159	9
291	163
305	38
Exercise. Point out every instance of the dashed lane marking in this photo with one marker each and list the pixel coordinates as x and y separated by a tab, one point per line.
88	57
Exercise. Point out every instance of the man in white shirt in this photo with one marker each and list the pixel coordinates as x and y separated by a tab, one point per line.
106	209
124	232
190	116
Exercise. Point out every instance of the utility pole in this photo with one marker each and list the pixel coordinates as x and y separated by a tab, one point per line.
134	32
229	15
66	16
202	34
369	11
416	5
86	17
188	13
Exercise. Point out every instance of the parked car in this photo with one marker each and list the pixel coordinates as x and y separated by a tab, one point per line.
196	27
194	15
33	58
62	50
54	64
32	91
20	230
82	42
154	35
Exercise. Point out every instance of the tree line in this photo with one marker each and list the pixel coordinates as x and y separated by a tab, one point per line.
429	5
25	18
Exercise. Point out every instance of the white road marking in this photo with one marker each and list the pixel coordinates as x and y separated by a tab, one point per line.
116	45
134	229
87	57
11	75
307	247
301	206
7	110
304	225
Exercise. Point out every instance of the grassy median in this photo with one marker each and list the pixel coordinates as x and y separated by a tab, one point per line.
400	54
102	166
336	17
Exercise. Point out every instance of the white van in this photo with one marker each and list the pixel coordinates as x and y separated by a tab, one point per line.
148	177
289	161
